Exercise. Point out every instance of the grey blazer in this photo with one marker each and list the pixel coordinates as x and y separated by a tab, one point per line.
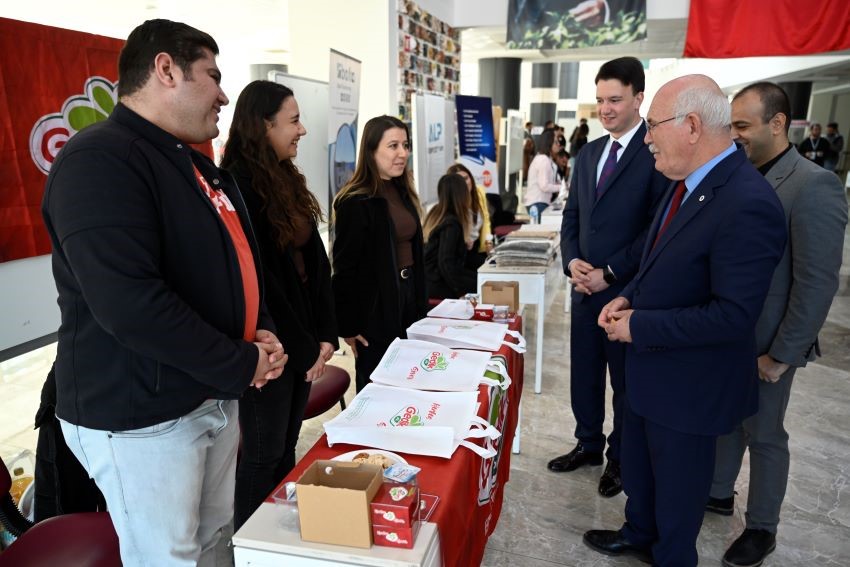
806	278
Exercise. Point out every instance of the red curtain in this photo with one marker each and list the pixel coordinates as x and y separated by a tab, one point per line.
748	28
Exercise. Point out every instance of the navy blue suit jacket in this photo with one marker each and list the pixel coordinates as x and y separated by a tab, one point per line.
691	365
611	230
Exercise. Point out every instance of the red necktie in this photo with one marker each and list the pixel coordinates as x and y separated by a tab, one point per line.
675	203
608	167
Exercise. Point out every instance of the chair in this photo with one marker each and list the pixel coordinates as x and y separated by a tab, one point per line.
86	539
327	391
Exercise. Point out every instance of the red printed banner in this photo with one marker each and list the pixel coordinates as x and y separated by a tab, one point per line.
720	29
53	83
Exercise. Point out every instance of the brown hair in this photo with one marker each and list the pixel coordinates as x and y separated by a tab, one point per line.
280	185
366	179
453	199
475	205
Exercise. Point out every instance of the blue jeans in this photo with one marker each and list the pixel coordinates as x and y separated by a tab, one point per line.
541	206
168	487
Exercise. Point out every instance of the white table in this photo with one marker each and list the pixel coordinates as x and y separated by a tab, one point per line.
537	286
263	542
551	218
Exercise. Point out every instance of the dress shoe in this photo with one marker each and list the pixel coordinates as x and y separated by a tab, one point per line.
611	542
576	458
750	549
722	506
610	483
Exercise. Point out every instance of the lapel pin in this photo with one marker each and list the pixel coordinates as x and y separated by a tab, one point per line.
701	198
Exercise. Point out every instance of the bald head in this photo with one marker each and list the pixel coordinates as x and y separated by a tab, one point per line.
688	125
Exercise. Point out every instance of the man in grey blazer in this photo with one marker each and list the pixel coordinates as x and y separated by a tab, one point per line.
798	301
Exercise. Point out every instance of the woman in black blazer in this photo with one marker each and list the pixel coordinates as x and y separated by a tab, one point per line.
263	140
446	230
378	276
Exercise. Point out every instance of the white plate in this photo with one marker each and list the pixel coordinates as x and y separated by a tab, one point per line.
351	454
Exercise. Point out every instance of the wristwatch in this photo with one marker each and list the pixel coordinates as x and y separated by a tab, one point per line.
608	275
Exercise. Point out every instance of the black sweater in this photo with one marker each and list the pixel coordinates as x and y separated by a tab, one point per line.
445	257
149	285
365	279
303	314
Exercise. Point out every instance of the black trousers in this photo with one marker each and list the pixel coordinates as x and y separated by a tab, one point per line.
270	420
379	340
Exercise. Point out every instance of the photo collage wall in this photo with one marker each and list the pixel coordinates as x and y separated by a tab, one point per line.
428	56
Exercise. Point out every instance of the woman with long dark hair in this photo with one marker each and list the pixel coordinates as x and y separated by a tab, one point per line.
480	237
379	278
263	140
446	231
542	182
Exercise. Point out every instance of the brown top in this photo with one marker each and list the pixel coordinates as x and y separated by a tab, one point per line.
403	221
303	230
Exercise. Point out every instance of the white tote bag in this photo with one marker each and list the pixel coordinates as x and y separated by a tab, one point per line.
479	335
453	309
413	421
424	365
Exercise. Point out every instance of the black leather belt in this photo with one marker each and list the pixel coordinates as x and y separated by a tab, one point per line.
405	273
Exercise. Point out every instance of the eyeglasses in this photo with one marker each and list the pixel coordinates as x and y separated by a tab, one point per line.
650	126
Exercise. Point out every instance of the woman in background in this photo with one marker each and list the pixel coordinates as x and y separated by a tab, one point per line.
263	140
480	241
542	181
379	278
446	230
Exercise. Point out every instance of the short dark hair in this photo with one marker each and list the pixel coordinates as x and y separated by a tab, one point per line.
773	98
182	42
833	125
627	70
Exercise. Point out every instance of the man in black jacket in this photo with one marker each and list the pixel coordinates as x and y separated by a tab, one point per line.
163	325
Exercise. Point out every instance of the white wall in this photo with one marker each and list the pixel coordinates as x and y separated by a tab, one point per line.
365	30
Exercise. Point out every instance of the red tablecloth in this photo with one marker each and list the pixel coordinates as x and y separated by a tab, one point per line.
470	489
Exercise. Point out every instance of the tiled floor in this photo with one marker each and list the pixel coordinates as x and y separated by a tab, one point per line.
545	513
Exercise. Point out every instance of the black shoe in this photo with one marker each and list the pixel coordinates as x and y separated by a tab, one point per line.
722	506
576	458
610	483
750	549
611	542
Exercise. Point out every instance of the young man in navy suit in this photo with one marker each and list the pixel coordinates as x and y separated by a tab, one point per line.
688	318
615	191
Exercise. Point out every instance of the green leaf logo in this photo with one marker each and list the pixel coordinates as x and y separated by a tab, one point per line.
434	361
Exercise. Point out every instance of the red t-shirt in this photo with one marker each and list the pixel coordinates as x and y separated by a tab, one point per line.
230	218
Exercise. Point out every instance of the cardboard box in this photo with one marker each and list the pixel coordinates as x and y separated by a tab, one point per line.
396	536
395	505
501	293
333	502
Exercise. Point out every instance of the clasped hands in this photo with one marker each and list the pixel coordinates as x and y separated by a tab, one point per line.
271	360
587	279
614	320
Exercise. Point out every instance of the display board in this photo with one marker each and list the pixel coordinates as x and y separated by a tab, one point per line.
313	100
433	135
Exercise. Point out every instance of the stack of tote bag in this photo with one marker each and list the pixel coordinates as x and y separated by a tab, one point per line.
424	398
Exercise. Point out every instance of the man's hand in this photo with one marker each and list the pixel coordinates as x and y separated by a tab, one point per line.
352	342
270	363
595	281
771	370
615	305
579	270
618	328
326	351
316	370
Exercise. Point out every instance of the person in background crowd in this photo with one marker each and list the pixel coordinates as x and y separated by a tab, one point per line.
548	125
263	141
446	230
800	295
378	268
541	174
579	140
613	198
815	147
480	237
576	129
562	161
688	318
559	132
836	146
163	323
